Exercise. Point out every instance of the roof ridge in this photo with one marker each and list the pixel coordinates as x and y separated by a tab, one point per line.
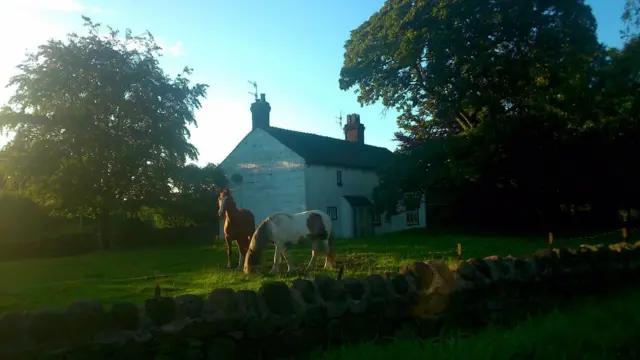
326	137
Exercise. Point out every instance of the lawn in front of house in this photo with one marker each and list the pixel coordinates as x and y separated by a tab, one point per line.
130	275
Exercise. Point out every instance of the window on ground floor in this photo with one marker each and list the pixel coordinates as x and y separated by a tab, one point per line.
332	211
413	217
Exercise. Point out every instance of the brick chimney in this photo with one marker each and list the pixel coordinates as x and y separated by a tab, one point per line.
353	129
260	110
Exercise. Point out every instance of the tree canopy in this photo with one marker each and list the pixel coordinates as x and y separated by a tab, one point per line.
631	18
194	201
99	128
508	109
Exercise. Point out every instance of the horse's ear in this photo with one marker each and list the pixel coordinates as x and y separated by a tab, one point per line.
228	191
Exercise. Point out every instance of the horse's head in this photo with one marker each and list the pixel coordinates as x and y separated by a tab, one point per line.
259	241
224	200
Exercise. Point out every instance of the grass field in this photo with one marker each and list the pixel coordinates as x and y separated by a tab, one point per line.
197	269
596	329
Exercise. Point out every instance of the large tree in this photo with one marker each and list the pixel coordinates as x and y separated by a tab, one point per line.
449	65
618	127
99	128
503	83
631	18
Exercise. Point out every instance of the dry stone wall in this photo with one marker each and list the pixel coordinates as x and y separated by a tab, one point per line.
280	321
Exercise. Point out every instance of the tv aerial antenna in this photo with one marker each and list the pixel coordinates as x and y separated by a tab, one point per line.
339	122
255	89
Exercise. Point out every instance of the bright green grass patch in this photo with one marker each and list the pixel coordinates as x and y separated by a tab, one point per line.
597	329
117	276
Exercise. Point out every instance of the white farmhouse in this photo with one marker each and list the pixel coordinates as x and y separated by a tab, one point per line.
277	170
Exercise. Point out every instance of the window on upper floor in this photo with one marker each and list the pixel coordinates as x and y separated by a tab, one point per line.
410	196
339	178
377	219
413	217
332	211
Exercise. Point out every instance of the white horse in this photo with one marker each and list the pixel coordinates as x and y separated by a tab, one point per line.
283	229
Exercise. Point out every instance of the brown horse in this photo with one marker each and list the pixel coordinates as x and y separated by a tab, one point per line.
239	226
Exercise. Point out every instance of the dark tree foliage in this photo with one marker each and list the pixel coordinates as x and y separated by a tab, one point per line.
100	128
510	111
631	18
194	200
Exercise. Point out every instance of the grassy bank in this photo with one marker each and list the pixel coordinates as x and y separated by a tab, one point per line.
598	329
117	276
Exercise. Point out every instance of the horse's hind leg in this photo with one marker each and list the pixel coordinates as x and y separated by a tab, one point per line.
314	253
229	242
276	260
330	262
242	252
284	255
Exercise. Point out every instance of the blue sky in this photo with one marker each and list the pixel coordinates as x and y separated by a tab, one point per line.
293	49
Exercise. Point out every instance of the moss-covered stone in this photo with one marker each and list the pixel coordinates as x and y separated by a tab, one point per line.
84	318
44	325
420	271
277	297
356	288
12	327
160	310
224	300
189	306
124	316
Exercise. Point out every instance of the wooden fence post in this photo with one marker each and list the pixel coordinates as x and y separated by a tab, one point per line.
550	241
157	291
624	234
459	254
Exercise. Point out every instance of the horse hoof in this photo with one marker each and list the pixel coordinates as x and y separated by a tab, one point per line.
229	267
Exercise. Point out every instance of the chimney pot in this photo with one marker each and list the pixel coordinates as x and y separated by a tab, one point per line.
263	97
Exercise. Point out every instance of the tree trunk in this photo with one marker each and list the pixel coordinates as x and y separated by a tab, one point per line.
424	197
102	234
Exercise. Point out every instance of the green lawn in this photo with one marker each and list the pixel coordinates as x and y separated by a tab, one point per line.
596	329
119	275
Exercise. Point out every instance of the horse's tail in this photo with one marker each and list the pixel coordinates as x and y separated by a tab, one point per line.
328	233
330	241
331	253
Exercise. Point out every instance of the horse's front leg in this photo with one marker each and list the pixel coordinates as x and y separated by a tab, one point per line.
229	242
314	252
276	261
289	264
242	252
329	262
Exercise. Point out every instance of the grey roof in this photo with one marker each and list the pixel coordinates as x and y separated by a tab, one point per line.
323	150
356	200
